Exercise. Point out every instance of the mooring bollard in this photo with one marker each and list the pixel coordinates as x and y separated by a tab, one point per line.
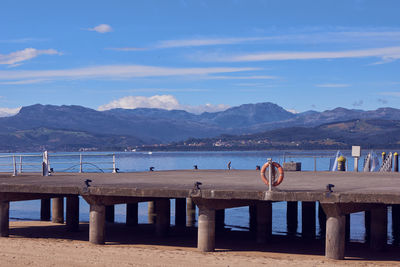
341	163
396	162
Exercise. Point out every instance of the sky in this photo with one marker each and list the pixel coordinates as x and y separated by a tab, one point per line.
200	55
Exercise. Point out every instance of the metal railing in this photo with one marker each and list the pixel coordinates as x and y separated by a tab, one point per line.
46	163
313	156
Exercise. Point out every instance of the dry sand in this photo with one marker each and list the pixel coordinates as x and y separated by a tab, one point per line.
46	244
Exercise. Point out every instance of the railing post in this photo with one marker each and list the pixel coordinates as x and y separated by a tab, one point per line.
315	163
20	163
14	166
114	168
80	163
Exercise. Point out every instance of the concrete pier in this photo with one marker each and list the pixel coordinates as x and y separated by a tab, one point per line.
308	219
72	216
180	212
163	213
292	217
378	228
97	221
190	212
4	218
206	230
57	210
45	209
219	190
110	213
132	214
264	221
151	211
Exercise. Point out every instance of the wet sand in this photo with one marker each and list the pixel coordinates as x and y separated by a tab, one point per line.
36	243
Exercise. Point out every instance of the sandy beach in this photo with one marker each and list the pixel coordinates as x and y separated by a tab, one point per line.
36	243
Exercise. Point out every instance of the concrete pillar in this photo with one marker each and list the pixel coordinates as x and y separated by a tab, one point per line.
264	221
4	218
396	223
163	213
45	209
206	230
322	221
58	210
367	224
291	217
253	219
110	213
378	228
151	210
335	237
308	219
97	224
132	214
180	212
219	220
190	212
72	219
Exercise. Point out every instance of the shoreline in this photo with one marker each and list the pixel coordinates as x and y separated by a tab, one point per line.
47	244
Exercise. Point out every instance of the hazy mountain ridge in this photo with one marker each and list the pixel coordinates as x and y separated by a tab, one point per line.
85	127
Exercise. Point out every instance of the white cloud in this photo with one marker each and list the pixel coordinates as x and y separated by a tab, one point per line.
33	81
114	71
386	53
167	102
395	94
102	28
333	85
6	112
292	111
22	55
259	77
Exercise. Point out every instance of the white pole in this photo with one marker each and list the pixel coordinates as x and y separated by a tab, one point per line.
45	164
114	168
270	175
20	163
356	164
15	166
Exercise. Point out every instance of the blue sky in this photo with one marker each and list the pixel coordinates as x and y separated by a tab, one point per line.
200	55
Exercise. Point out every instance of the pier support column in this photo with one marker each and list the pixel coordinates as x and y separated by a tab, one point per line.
97	224
264	221
110	213
322	221
180	212
396	223
45	213
4	218
308	219
378	228
72	219
190	212
206	230
57	210
151	210
335	237
347	234
132	214
163	213
367	224
291	217
253	219
219	220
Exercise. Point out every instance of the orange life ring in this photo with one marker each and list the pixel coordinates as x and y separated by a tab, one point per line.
281	173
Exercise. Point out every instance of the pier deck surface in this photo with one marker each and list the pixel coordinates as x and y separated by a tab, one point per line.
216	184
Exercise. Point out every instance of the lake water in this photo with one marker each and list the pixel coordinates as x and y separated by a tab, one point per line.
236	218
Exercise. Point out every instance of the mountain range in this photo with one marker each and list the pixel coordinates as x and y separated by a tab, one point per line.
71	128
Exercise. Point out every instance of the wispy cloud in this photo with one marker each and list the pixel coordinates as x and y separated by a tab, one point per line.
33	81
386	53
256	77
20	56
395	94
167	102
114	72
358	103
102	28
333	85
22	40
382	101
349	36
6	112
